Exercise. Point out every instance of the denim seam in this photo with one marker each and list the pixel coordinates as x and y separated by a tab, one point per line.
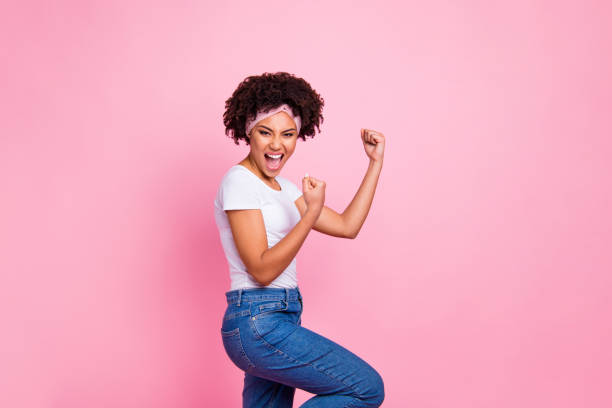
242	352
350	404
237	314
270	306
250	299
301	362
261	312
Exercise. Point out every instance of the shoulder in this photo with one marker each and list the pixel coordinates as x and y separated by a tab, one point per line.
235	175
238	180
238	191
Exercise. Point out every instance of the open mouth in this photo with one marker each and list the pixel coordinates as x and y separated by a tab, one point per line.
273	160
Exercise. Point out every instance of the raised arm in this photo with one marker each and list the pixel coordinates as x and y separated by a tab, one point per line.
349	222
249	232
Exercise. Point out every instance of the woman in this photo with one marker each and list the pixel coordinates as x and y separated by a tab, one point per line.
263	220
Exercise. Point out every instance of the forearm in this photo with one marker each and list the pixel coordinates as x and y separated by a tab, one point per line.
275	260
355	214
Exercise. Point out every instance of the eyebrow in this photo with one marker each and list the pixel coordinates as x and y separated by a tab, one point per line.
273	131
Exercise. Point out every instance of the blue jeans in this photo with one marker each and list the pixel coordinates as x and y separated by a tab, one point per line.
263	336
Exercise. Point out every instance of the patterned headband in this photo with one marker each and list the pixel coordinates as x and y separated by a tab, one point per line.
264	114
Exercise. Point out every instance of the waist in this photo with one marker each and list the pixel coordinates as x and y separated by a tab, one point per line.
258	294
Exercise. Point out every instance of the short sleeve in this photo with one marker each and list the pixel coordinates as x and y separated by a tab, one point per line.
293	191
238	192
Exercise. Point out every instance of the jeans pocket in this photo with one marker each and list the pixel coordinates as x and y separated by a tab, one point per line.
234	349
268	306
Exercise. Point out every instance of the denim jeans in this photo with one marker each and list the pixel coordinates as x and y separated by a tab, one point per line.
263	336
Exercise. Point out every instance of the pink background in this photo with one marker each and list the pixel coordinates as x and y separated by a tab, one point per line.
481	277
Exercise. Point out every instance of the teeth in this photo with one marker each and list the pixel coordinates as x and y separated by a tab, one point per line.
278	156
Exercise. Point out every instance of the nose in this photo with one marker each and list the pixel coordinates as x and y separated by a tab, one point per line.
275	143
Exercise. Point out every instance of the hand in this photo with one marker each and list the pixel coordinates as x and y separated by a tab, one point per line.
314	193
373	143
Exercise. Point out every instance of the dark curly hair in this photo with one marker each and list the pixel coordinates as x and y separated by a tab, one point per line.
269	91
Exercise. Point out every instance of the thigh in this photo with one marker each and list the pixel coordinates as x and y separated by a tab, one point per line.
260	392
290	354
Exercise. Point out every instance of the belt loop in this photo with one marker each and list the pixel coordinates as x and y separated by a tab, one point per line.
239	296
287	295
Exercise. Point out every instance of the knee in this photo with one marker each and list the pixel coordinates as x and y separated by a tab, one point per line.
376	390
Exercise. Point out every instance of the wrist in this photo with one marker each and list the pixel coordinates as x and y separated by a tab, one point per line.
375	163
313	213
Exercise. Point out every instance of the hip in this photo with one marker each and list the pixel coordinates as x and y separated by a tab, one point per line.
258	319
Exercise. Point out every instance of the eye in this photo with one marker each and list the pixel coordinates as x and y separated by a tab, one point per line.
289	134
263	132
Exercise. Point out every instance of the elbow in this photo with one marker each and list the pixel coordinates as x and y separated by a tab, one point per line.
260	275
353	233
263	283
258	271
351	230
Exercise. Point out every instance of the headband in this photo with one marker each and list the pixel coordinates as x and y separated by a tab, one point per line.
264	114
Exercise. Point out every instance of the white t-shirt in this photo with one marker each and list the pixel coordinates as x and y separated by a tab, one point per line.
242	189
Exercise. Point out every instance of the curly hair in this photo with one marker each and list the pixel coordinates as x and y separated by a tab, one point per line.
269	91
